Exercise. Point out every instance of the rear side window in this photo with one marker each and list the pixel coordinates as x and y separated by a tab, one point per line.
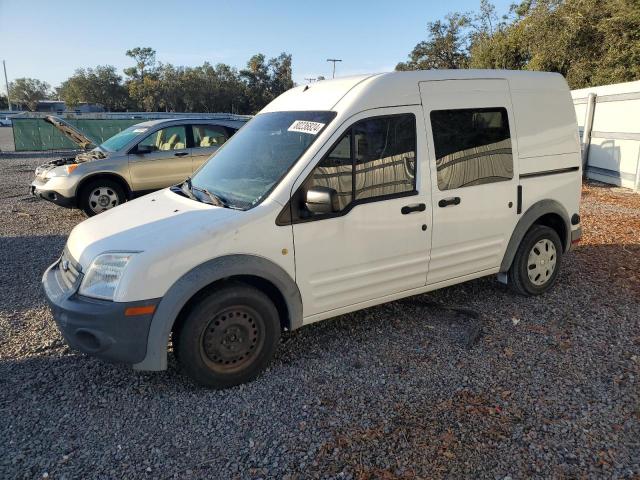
208	136
374	159
472	146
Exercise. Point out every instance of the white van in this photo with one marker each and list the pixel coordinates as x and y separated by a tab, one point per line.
337	196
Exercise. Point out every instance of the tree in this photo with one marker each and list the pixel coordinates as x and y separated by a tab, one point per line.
280	70
100	85
142	83
445	47
155	86
145	59
590	42
256	78
4	104
28	92
265	80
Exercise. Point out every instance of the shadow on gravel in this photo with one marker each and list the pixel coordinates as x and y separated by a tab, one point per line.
24	260
618	264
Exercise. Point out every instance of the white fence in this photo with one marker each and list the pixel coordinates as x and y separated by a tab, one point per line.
609	122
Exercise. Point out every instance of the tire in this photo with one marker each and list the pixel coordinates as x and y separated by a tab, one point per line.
537	262
228	337
100	195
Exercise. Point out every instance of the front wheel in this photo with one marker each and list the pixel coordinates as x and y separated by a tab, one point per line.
100	195
229	337
537	262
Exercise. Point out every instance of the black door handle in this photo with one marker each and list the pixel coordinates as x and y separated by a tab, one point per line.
181	154
416	207
445	202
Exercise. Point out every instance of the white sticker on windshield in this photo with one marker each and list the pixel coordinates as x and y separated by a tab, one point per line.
304	126
140	130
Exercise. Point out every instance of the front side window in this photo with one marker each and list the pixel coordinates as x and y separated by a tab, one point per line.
209	136
170	138
335	171
256	158
375	158
472	146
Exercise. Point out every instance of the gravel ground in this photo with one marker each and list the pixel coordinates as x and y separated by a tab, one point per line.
469	381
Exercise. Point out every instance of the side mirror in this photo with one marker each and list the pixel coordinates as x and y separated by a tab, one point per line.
142	149
322	200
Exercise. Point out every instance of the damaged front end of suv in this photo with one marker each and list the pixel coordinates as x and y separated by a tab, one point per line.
45	174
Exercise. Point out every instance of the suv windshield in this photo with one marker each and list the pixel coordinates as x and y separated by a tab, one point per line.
119	140
256	158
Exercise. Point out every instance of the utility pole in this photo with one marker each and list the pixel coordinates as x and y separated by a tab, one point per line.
6	82
334	60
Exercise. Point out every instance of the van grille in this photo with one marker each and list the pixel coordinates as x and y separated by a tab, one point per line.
68	271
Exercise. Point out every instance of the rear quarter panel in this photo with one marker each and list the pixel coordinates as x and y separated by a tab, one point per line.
548	140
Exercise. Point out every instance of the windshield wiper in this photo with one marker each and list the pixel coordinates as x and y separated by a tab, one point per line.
187	190
215	199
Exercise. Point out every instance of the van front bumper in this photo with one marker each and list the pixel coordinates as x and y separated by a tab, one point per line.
97	327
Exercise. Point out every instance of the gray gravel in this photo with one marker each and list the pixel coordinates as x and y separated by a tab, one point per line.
469	381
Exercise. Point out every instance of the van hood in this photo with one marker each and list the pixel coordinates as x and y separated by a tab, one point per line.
71	132
152	223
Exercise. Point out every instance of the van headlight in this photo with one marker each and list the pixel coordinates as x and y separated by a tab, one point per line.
104	274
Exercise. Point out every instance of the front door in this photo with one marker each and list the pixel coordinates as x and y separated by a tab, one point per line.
376	242
160	160
474	175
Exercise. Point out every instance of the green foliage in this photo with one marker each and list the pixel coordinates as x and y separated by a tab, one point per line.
445	48
4	104
145	58
206	88
28	92
590	42
266	80
100	85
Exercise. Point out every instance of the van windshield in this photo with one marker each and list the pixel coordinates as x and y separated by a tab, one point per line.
252	162
119	140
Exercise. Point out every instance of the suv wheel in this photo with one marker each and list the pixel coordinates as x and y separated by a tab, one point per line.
101	195
229	337
537	262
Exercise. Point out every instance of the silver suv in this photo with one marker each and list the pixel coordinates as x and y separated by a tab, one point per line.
145	157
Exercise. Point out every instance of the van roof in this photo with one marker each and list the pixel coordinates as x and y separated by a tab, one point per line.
398	88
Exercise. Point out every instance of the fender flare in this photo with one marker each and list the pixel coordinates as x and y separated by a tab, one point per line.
200	277
534	212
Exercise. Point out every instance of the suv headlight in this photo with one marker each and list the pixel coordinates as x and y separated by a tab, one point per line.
104	274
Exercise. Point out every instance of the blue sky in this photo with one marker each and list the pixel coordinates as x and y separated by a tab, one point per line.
50	39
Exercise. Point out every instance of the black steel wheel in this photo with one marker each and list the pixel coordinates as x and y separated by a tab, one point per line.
233	339
228	337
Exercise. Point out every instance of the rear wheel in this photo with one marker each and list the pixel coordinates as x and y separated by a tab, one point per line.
101	195
537	262
229	337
